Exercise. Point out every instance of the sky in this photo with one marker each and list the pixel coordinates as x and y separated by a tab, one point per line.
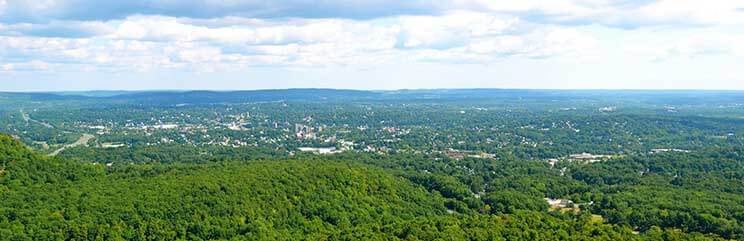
58	45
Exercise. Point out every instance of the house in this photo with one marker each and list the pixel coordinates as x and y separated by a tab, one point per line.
582	156
455	154
559	203
588	157
319	150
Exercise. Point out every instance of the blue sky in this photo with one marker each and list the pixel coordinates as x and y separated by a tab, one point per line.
53	45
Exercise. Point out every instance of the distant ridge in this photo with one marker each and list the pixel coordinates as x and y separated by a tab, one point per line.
201	97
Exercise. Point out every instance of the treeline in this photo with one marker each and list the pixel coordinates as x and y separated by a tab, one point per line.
695	192
57	199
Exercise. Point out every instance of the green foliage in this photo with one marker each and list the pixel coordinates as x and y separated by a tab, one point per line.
264	200
509	201
418	165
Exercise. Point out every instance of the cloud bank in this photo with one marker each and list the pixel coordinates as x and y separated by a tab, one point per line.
218	35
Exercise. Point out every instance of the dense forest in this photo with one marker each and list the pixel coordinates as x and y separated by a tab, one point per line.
55	199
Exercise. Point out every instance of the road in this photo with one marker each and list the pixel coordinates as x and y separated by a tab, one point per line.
83	140
27	118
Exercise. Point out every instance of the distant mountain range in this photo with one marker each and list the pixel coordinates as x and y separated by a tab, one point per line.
167	97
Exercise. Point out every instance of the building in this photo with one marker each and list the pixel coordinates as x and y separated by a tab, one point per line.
559	203
320	150
304	132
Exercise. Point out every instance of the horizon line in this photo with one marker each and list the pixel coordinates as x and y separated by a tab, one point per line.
369	90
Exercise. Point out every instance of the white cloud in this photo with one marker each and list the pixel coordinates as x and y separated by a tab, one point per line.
151	42
475	31
694	12
451	30
614	13
44	10
157	28
699	46
64	29
34	65
555	7
541	43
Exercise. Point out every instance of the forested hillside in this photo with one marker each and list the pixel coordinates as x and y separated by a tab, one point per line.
56	199
385	165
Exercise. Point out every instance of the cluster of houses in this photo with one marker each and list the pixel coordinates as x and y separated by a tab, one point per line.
558	204
657	151
587	158
320	150
460	154
306	132
584	158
